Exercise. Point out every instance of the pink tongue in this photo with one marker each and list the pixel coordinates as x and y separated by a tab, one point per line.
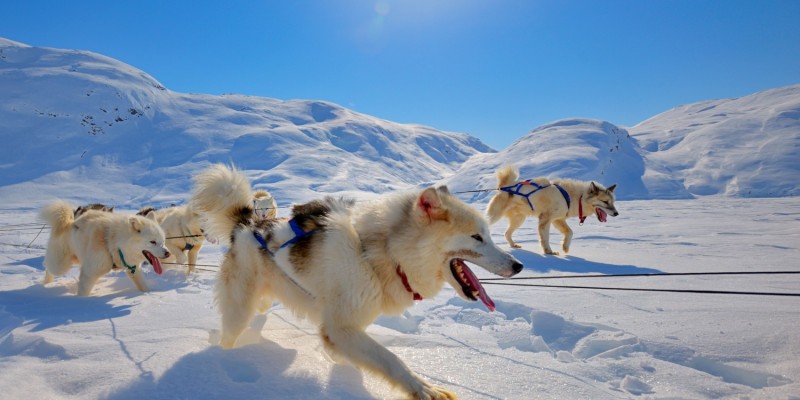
153	260
601	215
473	281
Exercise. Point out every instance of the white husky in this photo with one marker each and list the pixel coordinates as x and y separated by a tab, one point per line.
181	224
100	241
551	201
264	204
342	266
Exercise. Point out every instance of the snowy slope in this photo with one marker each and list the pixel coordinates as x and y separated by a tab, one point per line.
584	149
72	117
748	146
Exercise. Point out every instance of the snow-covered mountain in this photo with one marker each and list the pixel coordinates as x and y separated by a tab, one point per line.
72	117
583	149
748	146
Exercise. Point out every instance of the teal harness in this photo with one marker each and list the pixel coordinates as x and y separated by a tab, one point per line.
131	268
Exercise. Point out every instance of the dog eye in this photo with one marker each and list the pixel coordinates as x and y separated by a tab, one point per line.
152	242
478	237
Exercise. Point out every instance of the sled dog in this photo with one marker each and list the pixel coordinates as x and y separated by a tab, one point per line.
264	204
100	241
551	201
181	225
341	266
92	206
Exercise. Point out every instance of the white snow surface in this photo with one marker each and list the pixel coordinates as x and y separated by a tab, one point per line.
86	128
541	343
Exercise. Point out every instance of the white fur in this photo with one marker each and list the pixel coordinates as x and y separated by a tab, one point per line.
182	226
549	205
94	240
345	275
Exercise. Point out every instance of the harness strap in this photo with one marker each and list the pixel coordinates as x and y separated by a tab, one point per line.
517	190
299	233
404	278
563	193
131	268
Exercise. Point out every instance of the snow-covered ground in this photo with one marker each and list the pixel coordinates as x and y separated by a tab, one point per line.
540	343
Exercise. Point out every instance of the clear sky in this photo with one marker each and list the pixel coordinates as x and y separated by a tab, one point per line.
491	68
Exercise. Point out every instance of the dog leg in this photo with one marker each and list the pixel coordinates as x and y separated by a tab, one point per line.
544	234
237	301
360	349
514	222
193	258
562	227
48	278
138	279
87	279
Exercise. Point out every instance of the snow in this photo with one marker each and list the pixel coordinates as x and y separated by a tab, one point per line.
143	143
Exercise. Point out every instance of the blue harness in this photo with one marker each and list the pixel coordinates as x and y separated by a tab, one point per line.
517	190
299	233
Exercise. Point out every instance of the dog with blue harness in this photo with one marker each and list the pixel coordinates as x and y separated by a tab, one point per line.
553	202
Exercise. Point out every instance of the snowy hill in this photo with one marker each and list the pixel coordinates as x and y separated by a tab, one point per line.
745	147
583	149
75	117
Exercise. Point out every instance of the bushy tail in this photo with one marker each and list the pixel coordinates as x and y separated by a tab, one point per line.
506	176
224	199
60	216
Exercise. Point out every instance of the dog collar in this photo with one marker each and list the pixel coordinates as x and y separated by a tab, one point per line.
581	217
404	278
131	268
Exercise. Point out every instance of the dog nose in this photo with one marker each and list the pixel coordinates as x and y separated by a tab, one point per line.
616	213
517	267
166	254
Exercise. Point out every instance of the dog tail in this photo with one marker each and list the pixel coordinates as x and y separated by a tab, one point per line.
506	176
224	199
60	216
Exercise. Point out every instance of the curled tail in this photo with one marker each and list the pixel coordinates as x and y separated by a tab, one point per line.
224	199
506	176
59	255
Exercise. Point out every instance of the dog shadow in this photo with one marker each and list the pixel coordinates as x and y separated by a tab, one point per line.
253	371
540	263
46	307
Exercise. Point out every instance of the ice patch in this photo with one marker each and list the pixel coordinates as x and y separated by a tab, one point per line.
635	386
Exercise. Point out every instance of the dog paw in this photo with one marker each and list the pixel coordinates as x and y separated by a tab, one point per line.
551	252
516	246
435	393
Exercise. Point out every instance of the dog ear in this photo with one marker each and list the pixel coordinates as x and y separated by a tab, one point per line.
429	205
611	188
111	210
443	189
136	225
593	189
151	215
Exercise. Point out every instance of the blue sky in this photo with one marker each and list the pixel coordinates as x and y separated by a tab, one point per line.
494	69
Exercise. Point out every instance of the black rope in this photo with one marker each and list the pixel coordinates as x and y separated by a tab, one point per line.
646	289
23	246
185	236
196	265
657	274
476	191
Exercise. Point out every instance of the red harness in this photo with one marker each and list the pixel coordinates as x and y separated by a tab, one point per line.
404	278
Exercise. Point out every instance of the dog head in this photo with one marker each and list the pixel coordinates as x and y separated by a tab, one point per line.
147	237
602	201
264	204
461	234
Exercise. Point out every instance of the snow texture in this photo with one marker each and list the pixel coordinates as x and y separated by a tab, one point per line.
87	128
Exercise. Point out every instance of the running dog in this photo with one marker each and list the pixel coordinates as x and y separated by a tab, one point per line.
100	241
181	224
552	201
342	266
